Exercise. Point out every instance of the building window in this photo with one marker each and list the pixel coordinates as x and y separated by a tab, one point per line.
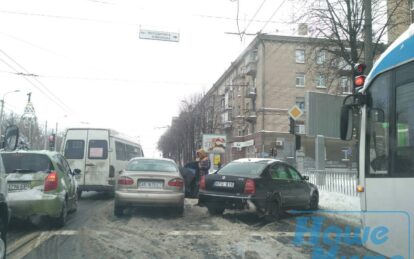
300	56
345	84
320	81
320	57
300	80
300	102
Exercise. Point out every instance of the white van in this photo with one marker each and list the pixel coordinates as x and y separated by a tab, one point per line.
100	154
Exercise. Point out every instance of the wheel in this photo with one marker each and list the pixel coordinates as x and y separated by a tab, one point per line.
3	240
180	210
74	204
273	210
313	202
118	210
61	220
79	194
214	210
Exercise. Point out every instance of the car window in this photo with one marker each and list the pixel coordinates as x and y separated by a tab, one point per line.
243	168
59	163
65	164
26	162
98	149
152	165
279	172
74	149
295	175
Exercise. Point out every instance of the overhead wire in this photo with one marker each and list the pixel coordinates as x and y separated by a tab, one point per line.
37	87
254	16
273	14
62	104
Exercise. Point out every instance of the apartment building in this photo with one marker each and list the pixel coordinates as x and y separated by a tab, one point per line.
249	103
401	13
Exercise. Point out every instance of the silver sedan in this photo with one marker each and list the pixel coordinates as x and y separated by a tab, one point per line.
149	182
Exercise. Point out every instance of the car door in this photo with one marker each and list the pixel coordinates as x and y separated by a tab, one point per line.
280	183
63	174
299	188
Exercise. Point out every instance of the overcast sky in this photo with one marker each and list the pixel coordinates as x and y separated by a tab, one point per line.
93	68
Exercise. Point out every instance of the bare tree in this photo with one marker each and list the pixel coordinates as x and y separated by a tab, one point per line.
341	23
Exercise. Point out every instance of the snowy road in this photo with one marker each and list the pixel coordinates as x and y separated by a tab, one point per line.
93	232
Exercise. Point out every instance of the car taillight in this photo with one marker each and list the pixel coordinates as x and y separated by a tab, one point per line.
203	183
177	182
124	180
51	181
250	187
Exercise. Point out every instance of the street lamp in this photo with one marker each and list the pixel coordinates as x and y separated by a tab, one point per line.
2	107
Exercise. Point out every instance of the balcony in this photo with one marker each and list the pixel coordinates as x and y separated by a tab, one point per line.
250	115
251	69
251	92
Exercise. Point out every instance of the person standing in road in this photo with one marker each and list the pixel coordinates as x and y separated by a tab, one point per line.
203	162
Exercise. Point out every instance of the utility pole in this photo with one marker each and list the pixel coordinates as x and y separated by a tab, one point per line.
368	35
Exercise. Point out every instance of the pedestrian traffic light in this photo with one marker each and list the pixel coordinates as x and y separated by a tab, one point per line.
291	125
52	139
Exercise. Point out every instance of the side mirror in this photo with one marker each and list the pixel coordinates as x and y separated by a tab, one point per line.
11	138
305	177
346	122
77	171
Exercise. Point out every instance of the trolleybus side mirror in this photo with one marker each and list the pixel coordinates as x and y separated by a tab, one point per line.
346	122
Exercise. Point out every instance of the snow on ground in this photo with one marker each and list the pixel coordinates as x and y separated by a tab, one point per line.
341	204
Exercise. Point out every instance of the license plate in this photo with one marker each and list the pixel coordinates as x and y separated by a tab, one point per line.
150	184
16	187
224	184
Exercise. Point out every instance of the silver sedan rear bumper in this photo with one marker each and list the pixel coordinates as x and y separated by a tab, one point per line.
149	199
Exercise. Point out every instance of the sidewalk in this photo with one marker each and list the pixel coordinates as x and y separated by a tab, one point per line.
338	204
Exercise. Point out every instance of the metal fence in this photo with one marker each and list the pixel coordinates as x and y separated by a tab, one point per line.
334	180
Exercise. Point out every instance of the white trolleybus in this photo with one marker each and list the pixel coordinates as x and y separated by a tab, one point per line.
381	115
101	154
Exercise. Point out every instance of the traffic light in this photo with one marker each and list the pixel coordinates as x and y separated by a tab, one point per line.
52	139
291	125
359	77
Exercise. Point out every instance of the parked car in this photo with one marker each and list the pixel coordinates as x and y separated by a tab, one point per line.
149	182
9	142
265	186
40	183
189	173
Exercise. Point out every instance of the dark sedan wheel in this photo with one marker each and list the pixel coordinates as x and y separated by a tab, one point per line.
215	210
273	210
3	243
61	220
118	210
314	202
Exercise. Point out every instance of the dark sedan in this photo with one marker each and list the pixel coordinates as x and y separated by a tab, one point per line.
265	186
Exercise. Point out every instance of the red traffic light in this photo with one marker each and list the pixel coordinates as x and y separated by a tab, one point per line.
52	138
359	68
359	81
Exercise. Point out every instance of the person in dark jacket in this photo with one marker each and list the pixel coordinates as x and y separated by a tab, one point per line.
204	163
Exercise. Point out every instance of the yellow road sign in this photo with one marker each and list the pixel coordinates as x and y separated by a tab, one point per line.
295	112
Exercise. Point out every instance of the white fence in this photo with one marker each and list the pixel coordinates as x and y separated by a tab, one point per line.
334	180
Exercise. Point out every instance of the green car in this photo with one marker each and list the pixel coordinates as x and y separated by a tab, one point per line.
40	183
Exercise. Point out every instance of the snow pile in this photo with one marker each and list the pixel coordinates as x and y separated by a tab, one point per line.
340	203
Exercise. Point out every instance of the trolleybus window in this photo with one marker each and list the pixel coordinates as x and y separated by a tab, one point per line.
378	125
404	155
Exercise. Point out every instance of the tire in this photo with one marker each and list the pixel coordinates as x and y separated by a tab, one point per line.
214	210
180	210
75	204
273	210
314	202
79	194
118	210
61	220
3	240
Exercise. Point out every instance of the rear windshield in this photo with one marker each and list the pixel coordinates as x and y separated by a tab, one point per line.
152	165
243	169
98	149
74	149
26	163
